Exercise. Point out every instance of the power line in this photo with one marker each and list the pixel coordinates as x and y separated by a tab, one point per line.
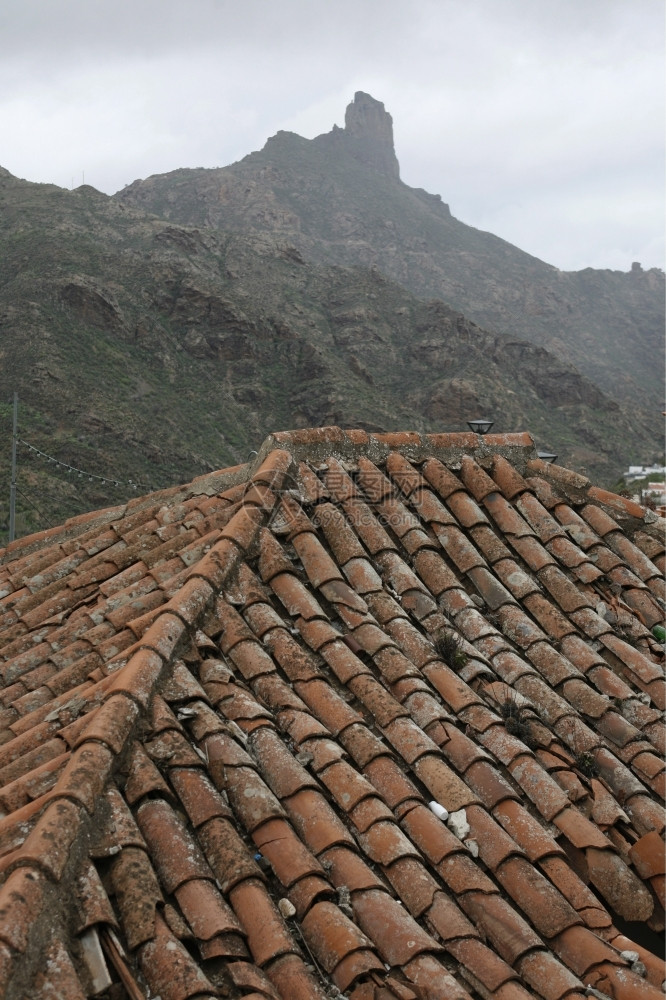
78	504
81	473
29	501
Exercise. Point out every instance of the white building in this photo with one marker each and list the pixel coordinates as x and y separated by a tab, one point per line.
643	471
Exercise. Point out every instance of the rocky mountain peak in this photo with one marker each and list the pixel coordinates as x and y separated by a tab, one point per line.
370	127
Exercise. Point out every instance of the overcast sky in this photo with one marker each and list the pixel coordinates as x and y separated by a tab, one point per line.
541	121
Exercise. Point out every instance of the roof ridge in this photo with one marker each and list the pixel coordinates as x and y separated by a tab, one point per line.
315	443
311	444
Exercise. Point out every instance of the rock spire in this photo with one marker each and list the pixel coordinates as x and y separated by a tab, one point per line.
370	127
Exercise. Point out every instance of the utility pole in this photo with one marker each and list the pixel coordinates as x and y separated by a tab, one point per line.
12	485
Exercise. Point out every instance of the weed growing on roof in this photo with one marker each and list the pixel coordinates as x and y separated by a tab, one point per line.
516	718
625	633
586	763
449	647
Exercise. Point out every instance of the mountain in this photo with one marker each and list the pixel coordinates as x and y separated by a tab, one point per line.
146	350
339	199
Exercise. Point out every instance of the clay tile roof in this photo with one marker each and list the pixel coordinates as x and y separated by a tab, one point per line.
379	712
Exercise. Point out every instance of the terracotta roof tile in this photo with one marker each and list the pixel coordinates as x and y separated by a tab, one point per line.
509	480
338	533
457	547
296	598
476	479
553	666
625	893
48	843
315	821
138	677
293	979
653	963
544	525
290	859
209	917
34	753
549	977
430	509
111	723
510	935
431	836
341	948
367	527
176	854
266	931
430	976
84	776
506	519
21	901
318	565
647	855
61	975
395	934
137	894
466	510
34	783
250	797
548	616
283	772
226	853
301	721
488	969
143	778
518	627
532	552
565	592
390	780
246	976
328	706
346	868
571	556
93	904
168	967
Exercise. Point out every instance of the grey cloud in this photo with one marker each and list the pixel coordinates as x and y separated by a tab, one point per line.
539	121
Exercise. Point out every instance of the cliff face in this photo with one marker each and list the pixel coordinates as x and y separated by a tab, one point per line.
338	199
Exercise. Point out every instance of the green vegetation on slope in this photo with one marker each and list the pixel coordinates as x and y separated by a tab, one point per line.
147	351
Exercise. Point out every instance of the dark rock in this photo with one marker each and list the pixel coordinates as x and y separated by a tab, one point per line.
370	127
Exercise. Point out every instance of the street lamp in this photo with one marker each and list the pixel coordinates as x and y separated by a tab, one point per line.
546	456
480	426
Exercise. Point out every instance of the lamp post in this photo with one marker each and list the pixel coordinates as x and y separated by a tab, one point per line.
546	456
480	426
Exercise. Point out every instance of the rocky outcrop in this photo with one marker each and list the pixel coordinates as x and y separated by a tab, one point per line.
366	139
338	199
369	129
93	304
